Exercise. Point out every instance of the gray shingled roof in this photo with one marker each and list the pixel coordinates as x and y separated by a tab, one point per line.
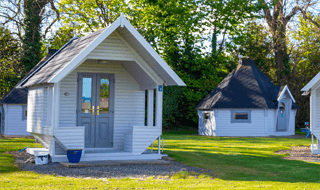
60	60
20	95
16	96
245	87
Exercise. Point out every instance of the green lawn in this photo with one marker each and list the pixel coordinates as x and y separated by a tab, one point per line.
238	163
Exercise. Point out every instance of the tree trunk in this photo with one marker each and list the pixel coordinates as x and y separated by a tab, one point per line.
31	42
280	51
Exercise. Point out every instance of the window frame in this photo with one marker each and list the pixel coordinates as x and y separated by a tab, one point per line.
233	120
24	116
205	115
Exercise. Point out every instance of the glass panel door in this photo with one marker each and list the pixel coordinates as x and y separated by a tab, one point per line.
95	108
86	106
104	95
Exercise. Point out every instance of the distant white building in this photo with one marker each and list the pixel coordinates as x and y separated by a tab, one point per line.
13	109
313	88
247	103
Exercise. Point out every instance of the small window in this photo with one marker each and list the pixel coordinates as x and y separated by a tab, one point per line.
24	112
282	107
206	115
241	116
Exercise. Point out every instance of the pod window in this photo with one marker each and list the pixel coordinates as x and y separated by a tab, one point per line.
240	116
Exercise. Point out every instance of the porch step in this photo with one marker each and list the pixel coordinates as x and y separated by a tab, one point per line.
315	149
35	151
114	163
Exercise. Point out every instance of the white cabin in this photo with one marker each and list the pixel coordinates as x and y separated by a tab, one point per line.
313	88
247	103
13	110
91	95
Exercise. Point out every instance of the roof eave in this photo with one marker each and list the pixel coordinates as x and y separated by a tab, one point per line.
282	93
311	83
43	64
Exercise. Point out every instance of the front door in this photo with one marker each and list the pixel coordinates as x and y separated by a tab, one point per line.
96	108
282	115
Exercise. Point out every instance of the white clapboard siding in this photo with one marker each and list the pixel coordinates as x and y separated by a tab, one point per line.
255	128
128	142
129	106
270	122
207	127
75	141
35	109
315	116
262	124
142	138
14	123
114	48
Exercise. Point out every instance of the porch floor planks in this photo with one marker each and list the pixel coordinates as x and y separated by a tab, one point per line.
104	151
114	163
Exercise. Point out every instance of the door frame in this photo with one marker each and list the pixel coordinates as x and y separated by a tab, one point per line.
285	115
79	106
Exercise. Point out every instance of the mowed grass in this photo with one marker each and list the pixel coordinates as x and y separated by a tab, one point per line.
238	163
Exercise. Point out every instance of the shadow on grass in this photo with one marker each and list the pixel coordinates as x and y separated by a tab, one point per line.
248	167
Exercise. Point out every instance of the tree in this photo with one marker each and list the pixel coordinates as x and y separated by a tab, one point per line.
305	61
224	17
91	14
12	13
10	70
255	41
275	14
27	19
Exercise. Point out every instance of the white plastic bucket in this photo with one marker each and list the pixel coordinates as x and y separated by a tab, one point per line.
41	159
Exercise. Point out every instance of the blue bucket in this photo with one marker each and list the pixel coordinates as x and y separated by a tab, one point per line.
74	155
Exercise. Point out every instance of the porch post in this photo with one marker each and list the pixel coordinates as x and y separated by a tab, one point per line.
150	107
159	143
55	106
312	143
159	99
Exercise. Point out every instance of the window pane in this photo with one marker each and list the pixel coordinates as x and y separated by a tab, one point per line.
240	115
26	112
282	107
104	95
206	116
86	95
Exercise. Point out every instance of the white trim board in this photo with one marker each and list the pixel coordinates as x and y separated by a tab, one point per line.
311	83
282	93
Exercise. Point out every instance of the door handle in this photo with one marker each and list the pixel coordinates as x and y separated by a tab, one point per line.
98	110
92	110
